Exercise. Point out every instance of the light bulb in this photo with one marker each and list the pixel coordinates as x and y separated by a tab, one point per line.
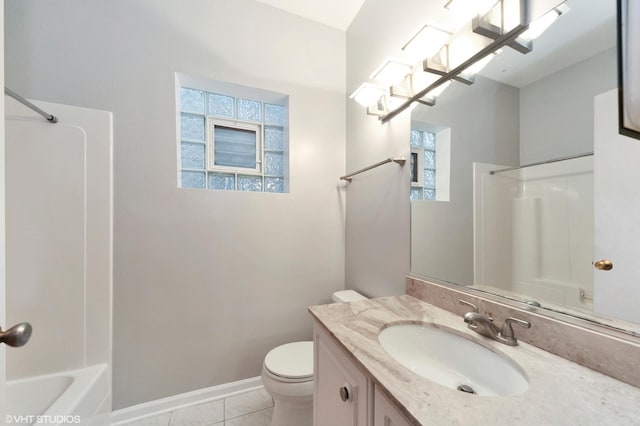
367	94
426	43
540	25
391	72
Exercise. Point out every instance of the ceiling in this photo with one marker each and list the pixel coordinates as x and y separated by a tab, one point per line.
589	27
334	13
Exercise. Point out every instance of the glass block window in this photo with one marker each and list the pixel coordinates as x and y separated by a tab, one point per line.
249	110
423	165
232	144
221	105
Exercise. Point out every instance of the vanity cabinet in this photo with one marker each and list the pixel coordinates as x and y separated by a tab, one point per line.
385	414
343	394
341	391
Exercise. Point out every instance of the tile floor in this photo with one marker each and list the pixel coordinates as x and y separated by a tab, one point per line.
252	408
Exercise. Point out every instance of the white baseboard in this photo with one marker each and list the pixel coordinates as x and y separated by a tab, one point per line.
174	402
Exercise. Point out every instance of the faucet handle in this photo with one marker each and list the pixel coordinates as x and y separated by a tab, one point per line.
475	308
507	329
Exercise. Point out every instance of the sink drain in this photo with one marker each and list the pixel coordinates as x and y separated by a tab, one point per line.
466	389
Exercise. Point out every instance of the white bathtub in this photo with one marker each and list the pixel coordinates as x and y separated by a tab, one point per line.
79	396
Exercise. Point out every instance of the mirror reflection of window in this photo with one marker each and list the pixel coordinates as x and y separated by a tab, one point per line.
415	178
423	165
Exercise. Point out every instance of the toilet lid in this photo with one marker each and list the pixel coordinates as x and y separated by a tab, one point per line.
293	360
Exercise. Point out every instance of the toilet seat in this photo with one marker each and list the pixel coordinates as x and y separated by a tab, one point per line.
291	363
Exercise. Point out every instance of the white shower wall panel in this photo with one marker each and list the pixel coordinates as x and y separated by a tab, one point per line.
564	223
493	224
45	244
59	237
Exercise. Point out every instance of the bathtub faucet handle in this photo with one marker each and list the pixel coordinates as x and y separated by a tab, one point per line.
16	336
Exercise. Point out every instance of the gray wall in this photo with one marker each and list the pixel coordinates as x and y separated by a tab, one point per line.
205	282
556	112
377	220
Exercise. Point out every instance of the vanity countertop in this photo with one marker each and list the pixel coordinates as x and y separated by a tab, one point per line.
560	392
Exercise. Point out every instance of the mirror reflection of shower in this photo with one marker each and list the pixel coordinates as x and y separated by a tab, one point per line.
533	228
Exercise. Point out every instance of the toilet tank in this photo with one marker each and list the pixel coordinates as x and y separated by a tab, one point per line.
347	296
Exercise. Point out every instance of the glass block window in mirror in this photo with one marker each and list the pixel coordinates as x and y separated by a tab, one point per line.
423	165
233	143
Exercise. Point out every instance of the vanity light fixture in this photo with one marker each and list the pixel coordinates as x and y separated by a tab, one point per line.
540	25
434	93
470	7
420	80
379	108
411	85
392	71
462	55
512	11
406	88
385	105
479	66
393	103
438	63
501	19
426	43
367	94
426	100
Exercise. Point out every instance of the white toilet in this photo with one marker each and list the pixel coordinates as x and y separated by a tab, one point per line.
287	375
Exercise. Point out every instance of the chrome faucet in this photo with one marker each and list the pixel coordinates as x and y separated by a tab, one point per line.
483	324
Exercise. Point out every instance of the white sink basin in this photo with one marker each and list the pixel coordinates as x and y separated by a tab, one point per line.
452	360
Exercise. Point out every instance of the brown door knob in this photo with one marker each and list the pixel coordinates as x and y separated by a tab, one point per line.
603	265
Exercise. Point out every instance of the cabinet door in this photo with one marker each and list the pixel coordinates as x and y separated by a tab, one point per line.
385	414
341	393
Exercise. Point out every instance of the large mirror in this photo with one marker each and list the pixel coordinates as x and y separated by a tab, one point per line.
503	183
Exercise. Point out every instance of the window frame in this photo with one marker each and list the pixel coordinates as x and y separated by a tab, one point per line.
255	127
268	127
419	167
